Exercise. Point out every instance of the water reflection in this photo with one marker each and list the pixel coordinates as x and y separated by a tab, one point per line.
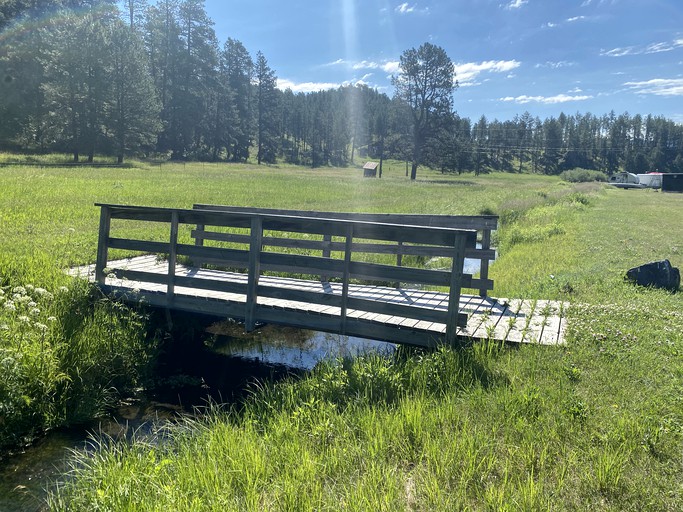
293	348
23	477
220	368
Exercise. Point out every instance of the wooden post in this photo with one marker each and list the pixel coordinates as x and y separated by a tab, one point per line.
399	260
199	241
347	272
172	257
484	268
454	291
103	245
254	272
327	252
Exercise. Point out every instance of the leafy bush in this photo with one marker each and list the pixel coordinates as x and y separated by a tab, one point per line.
64	354
579	175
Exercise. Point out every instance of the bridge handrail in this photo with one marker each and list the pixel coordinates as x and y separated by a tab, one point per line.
483	224
255	259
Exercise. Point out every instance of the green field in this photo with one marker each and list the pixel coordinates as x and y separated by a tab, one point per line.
595	425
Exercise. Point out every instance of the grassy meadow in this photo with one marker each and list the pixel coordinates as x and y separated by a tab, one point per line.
594	425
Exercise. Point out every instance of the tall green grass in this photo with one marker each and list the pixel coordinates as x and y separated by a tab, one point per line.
49	222
66	353
51	210
594	425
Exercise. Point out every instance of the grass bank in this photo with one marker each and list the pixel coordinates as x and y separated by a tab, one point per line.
67	355
595	425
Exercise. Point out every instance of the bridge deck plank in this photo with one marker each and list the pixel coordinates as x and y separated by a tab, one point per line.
506	320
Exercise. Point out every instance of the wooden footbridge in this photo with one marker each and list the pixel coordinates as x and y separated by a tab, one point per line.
391	277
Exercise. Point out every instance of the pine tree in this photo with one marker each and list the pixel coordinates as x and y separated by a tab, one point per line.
267	111
133	107
239	69
426	83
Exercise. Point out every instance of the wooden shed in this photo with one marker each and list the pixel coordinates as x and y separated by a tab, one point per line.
370	169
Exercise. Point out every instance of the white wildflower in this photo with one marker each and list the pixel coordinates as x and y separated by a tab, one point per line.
2	292
63	289
10	306
51	319
24	318
40	291
30	287
4	327
19	290
32	304
41	327
24	299
34	312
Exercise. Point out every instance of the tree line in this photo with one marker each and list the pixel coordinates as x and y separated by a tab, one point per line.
132	78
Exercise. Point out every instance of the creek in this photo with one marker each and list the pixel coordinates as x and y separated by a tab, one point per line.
218	363
221	368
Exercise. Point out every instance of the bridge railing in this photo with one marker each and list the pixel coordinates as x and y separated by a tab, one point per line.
484	225
343	241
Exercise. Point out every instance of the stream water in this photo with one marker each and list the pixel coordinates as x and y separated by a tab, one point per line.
220	369
219	364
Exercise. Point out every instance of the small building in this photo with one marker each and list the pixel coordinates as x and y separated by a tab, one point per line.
370	169
672	182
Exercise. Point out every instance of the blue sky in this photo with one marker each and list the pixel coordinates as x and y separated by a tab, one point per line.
511	56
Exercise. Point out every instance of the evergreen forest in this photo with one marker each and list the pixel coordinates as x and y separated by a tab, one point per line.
136	79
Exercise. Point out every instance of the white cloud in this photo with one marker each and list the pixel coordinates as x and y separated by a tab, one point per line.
546	100
573	19
618	52
666	46
587	3
364	64
406	8
468	72
284	84
389	66
335	63
555	64
516	4
658	86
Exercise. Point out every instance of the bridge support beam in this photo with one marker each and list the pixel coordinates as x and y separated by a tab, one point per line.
455	288
103	245
255	245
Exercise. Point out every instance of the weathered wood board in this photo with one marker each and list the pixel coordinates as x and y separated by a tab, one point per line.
282	300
